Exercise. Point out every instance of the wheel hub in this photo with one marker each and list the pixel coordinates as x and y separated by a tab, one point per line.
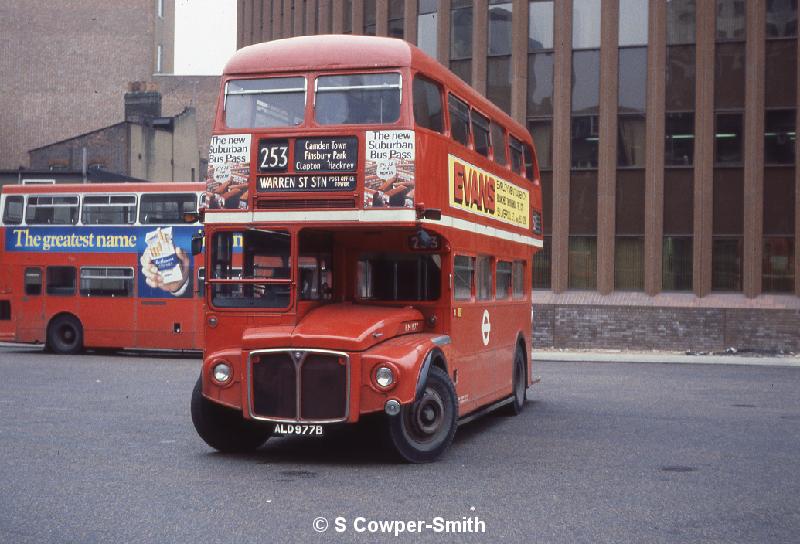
428	413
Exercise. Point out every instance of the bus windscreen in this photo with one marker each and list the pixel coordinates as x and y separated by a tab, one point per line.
265	103
358	99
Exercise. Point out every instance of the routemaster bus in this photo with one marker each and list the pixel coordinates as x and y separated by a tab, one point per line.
100	266
388	215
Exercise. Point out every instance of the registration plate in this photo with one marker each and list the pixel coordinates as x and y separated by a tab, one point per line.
298	429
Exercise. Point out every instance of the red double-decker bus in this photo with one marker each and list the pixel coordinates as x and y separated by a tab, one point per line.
389	215
100	266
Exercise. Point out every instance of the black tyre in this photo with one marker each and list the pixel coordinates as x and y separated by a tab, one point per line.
225	429
519	384
424	429
65	335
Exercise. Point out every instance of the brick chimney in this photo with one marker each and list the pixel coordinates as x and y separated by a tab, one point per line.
142	102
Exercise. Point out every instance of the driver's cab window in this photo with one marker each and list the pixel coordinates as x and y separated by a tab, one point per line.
315	265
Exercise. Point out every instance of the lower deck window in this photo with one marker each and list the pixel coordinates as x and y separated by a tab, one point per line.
33	281
60	280
464	268
107	282
391	277
5	310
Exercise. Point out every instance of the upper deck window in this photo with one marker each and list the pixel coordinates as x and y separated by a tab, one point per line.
428	104
357	99
480	130
109	210
516	149
265	103
12	213
166	208
498	144
459	119
52	210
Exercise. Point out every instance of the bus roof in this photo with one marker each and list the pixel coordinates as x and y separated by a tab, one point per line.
348	52
167	187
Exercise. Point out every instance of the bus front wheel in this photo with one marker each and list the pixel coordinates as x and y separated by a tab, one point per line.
425	428
225	429
65	335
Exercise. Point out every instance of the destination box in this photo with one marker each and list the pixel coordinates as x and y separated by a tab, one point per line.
296	183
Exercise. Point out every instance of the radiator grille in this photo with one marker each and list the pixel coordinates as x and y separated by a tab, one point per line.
299	385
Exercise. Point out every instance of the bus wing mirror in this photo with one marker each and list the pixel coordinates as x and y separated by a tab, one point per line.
197	243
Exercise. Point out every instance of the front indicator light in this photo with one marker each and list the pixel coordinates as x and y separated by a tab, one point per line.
222	372
384	376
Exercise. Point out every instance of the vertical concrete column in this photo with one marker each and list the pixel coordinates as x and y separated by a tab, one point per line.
519	60
654	142
298	19
410	21
797	188
381	17
337	16
443	32
703	148
607	152
287	21
324	16
277	21
312	9
480	38
562	85
240	22
358	17
755	33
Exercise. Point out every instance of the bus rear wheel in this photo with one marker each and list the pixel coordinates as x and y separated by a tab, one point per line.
65	335
425	428
518	384
225	429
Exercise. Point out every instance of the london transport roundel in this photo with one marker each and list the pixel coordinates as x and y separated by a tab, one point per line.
486	327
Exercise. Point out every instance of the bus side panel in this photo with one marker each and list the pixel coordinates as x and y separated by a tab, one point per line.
107	321
167	324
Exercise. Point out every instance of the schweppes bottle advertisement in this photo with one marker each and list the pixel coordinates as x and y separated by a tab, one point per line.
477	191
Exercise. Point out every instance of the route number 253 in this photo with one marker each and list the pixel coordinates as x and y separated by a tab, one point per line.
273	155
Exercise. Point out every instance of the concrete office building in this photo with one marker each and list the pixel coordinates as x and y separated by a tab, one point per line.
666	135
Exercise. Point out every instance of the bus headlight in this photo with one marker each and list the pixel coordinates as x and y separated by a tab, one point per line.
222	373
384	376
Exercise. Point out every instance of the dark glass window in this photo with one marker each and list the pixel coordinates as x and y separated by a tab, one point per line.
727	230
679	128
779	204
676	263
33	281
542	132
678	201
585	24
680	77
518	279
547	202
586	81
498	85
583	203
582	262
633	22
726	263
480	133
399	276
730	19
585	135
540	25
396	19
728	138
60	280
462	68
729	76
540	84
680	21
459	120
464	274
499	146
629	243
632	79
369	17
502	288
629	263
542	263
428	104
427	22
778	264
779	137
499	27
781	18
157	209
781	73
517	149
461	30
527	155
12	210
631	148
